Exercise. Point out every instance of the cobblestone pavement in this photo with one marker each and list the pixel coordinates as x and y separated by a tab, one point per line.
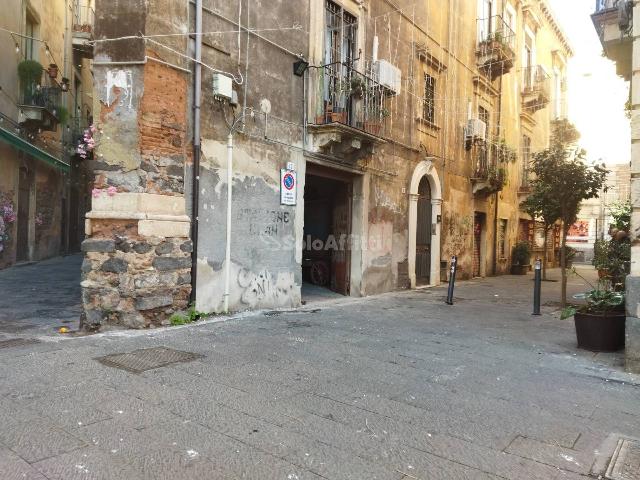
399	386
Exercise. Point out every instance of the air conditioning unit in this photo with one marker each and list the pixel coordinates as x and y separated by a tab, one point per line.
388	75
222	86
476	130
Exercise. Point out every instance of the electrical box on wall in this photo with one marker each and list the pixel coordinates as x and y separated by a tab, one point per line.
222	86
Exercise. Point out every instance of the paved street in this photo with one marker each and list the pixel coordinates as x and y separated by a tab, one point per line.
41	297
399	386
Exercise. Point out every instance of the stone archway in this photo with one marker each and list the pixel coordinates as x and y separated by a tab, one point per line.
426	169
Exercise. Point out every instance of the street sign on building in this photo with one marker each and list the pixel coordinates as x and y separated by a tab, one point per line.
288	187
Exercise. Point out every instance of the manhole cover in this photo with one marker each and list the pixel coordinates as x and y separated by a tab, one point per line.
147	359
17	342
625	463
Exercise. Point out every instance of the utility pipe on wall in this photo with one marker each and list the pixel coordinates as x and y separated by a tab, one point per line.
195	193
227	253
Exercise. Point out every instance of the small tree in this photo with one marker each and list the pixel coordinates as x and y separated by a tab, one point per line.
563	180
540	204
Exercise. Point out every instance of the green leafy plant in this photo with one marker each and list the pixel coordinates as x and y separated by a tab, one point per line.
521	253
29	71
190	316
62	113
599	301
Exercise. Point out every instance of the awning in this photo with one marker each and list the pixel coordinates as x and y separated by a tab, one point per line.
30	149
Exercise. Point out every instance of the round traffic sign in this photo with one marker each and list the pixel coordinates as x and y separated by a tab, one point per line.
288	181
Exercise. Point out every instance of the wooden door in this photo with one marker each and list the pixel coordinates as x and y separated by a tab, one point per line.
341	256
423	234
477	238
24	198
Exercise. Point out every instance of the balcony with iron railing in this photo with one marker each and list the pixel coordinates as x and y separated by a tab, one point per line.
346	102
83	21
40	105
490	161
496	47
613	21
536	88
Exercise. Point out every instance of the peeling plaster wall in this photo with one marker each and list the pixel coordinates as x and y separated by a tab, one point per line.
266	237
265	270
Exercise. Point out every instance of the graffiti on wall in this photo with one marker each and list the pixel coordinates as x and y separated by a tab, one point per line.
264	222
122	80
264	288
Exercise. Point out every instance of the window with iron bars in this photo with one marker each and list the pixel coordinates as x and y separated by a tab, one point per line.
429	99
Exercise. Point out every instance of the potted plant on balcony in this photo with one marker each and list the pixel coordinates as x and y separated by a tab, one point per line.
600	322
521	258
53	71
30	74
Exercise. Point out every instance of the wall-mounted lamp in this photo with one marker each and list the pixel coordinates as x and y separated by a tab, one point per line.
64	86
299	66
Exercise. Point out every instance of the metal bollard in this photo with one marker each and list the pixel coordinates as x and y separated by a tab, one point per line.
537	287
452	280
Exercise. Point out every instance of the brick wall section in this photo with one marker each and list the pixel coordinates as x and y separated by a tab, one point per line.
162	125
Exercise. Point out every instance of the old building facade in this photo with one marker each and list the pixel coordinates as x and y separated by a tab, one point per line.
363	145
45	106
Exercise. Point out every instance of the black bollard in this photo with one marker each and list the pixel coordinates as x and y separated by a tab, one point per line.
537	287
452	280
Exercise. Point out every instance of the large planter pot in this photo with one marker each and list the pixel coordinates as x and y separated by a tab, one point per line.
519	269
600	333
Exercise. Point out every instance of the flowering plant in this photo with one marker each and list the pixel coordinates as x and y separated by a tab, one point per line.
7	217
88	143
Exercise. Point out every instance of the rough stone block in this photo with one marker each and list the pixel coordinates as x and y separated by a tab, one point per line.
184	279
115	265
161	228
171	263
133	320
147	280
164	248
124	245
98	245
86	266
142	247
156	301
187	246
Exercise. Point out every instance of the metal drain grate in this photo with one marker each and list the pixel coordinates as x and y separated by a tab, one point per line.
145	359
625	463
17	342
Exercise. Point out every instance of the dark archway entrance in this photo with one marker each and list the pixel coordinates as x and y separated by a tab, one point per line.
327	227
423	233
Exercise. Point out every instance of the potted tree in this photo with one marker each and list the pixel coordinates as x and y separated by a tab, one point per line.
521	258
600	322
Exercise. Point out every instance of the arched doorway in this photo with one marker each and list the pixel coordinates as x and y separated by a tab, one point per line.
425	204
423	233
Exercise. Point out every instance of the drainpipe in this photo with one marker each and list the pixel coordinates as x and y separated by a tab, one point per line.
195	190
227	253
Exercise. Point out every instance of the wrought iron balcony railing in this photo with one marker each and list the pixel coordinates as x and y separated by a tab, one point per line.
83	18
536	88
341	94
495	32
